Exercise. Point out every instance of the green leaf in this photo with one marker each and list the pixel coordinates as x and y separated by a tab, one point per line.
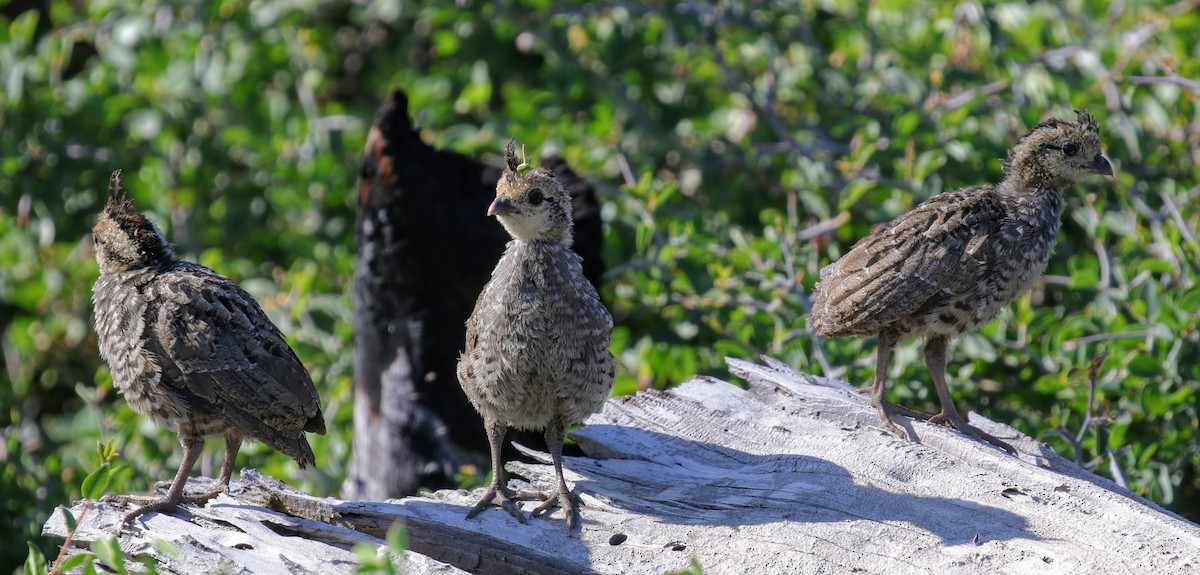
68	518
108	550
1145	365
35	563
96	482
75	561
397	538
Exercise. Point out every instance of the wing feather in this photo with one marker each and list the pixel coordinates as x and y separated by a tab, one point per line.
910	264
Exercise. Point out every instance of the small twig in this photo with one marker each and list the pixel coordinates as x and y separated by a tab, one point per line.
626	171
1071	343
1189	85
62	553
1173	210
964	98
823	227
1117	474
1076	440
1093	377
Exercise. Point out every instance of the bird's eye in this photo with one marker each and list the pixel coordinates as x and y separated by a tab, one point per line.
536	197
1070	149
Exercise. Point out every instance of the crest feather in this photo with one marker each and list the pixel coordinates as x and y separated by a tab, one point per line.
118	200
510	155
1087	121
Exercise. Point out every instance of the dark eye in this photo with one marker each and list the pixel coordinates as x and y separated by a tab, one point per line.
536	197
1070	149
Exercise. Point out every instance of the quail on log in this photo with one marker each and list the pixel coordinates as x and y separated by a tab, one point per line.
192	351
955	261
537	345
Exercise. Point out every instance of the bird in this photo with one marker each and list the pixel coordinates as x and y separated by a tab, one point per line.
425	249
192	351
537	353
957	260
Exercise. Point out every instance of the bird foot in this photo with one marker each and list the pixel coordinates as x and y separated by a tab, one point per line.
886	410
565	500
158	505
500	497
959	423
166	503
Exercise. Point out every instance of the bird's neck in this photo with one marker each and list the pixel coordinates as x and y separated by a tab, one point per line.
539	245
1033	218
1032	203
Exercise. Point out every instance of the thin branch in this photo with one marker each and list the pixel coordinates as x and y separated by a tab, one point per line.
964	98
1189	85
1071	343
1114	468
62	553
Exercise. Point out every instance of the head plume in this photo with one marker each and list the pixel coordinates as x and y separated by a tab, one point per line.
510	155
531	203
1087	121
118	200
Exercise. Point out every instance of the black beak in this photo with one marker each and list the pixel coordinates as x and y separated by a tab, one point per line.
501	206
1101	165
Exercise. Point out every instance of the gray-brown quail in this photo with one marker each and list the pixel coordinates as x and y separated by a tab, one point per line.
193	351
955	261
537	343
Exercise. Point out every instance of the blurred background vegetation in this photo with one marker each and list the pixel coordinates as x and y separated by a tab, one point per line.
738	146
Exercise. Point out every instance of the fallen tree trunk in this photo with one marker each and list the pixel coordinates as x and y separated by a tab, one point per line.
793	475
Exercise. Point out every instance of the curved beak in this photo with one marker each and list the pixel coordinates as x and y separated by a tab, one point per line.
501	206
1101	165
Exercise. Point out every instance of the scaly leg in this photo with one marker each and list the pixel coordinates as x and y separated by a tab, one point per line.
192	447
232	445
498	493
878	389
555	434
935	359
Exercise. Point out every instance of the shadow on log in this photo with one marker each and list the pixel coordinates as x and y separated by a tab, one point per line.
792	475
426	247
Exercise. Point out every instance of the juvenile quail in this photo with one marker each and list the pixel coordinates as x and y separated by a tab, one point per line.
537	343
955	261
193	351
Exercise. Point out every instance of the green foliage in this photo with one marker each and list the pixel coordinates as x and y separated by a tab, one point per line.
388	559
694	569
738	147
107	551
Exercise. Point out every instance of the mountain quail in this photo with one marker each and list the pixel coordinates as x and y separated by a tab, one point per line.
537	343
193	351
955	261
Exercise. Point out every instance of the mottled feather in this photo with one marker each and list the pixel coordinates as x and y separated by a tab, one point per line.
537	343
192	350
955	261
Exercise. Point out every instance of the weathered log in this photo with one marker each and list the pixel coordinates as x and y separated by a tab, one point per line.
792	475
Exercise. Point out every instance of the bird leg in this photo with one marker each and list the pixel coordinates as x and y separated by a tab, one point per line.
498	493
192	447
555	434
878	389
935	359
232	445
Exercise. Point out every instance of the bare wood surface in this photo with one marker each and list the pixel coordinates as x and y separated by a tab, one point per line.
793	475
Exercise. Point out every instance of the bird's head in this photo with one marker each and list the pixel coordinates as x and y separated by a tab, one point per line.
1057	153
531	204
124	239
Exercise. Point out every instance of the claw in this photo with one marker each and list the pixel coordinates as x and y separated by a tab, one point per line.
951	419
568	502
500	497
